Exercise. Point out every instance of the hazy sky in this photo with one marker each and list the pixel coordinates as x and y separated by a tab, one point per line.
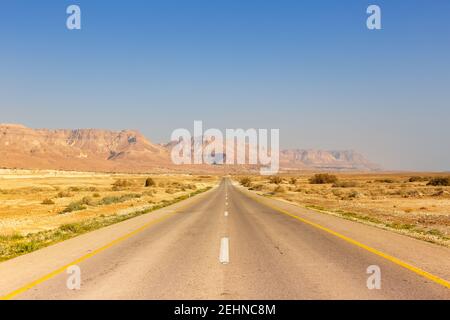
310	68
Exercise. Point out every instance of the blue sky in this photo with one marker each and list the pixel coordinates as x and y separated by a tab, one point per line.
310	68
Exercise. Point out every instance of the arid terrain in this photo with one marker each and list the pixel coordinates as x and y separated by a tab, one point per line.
56	184
99	150
417	204
40	202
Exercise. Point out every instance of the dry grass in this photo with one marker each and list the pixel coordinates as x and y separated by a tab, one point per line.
406	203
38	201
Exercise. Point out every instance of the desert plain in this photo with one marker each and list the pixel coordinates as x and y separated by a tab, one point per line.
413	203
42	207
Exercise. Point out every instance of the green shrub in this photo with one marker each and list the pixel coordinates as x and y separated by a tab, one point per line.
71	228
109	200
74	206
114	199
323	178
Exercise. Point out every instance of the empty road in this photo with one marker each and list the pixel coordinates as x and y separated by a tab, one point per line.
229	243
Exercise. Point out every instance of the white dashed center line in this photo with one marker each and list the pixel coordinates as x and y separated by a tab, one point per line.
224	256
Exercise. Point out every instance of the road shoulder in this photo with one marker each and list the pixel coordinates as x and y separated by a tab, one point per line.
427	256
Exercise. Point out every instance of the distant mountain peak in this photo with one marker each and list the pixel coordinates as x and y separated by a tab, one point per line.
326	160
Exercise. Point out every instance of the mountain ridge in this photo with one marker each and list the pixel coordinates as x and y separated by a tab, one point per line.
130	151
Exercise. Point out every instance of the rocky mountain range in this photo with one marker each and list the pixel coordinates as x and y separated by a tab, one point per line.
130	151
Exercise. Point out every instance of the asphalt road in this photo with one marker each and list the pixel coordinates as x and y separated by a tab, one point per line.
225	244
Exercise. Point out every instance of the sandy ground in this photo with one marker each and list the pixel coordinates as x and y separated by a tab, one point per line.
386	198
24	194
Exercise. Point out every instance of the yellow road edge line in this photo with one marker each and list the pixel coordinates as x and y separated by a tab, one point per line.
60	270
395	260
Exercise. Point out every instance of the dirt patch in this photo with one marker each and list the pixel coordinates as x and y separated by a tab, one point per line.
404	202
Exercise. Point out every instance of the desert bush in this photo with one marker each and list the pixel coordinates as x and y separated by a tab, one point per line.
129	196
354	194
71	227
87	201
245	181
170	191
64	194
114	199
385	181
74	189
257	187
109	200
48	201
410	193
121	184
149	182
323	178
96	195
439	181
279	189
293	180
74	206
441	193
149	193
418	179
345	184
275	180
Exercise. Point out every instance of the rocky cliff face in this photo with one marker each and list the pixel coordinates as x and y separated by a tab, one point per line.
130	151
85	149
325	160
